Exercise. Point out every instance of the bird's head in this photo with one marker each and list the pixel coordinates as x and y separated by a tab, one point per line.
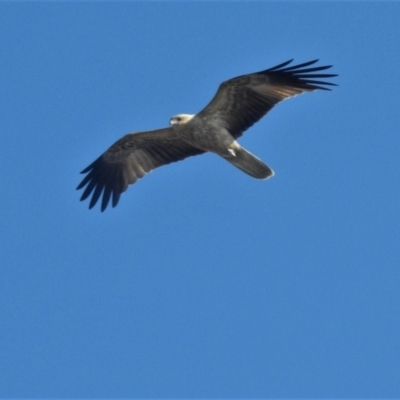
180	119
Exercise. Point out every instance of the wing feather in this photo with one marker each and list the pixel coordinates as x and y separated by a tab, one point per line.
128	160
242	101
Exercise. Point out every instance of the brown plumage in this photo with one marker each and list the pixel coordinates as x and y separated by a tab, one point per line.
237	105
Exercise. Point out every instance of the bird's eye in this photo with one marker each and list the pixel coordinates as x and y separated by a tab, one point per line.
178	119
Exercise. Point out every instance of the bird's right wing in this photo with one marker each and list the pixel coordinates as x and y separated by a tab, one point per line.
242	101
129	159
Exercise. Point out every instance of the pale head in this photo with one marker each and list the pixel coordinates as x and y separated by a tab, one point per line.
180	119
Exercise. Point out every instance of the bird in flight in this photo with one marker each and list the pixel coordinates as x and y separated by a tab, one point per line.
237	105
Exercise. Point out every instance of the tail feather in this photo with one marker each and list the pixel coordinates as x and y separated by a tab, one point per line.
249	164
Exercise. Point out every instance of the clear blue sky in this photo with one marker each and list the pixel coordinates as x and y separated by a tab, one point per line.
203	282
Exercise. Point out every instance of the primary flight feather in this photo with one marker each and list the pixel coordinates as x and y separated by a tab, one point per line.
237	105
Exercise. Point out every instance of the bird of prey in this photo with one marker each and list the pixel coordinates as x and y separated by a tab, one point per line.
237	105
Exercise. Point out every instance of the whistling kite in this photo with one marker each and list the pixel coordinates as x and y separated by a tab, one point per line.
237	105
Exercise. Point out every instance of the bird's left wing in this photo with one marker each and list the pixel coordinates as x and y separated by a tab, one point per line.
242	101
129	159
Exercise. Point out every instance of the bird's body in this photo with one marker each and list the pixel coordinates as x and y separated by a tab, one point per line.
203	134
237	105
209	135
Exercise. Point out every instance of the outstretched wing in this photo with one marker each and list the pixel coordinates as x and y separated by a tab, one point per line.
129	159
242	101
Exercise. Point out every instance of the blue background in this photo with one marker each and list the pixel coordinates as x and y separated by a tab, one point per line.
203	282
